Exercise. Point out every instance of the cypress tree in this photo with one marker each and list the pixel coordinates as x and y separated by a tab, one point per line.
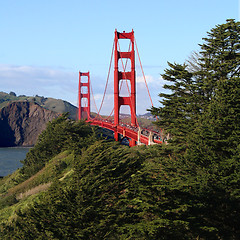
203	103
211	120
219	126
181	107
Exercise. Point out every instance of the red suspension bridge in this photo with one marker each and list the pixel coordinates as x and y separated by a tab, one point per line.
132	132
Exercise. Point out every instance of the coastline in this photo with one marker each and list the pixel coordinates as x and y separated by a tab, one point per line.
18	147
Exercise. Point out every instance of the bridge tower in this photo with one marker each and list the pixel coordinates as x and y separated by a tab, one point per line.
84	96
131	76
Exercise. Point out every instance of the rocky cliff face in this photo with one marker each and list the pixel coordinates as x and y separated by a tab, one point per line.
22	122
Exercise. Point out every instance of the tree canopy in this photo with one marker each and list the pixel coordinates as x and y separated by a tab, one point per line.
204	99
202	110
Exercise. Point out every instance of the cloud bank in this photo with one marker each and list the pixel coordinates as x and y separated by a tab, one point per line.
44	81
63	84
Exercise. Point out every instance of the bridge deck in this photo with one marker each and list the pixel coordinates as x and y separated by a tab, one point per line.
146	137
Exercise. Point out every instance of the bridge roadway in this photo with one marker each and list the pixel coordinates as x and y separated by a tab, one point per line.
141	136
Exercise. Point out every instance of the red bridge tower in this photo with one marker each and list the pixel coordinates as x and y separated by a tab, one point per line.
84	96
118	75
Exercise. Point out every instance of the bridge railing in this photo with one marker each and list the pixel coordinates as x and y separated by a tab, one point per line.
141	136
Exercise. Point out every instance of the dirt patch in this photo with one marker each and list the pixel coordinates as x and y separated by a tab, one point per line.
35	190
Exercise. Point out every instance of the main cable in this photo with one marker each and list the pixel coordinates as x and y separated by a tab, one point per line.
143	72
109	70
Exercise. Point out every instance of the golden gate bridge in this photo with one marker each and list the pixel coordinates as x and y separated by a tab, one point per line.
132	132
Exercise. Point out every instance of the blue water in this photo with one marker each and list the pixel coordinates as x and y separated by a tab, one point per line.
10	159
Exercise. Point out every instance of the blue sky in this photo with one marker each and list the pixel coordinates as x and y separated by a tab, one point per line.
44	43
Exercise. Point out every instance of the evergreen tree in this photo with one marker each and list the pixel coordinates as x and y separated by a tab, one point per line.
212	124
181	107
207	96
61	134
217	136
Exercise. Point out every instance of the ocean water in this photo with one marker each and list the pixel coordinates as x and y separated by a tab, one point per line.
10	159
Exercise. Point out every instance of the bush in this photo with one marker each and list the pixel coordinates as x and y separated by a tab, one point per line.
61	134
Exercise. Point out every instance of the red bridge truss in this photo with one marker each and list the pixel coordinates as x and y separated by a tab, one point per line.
132	132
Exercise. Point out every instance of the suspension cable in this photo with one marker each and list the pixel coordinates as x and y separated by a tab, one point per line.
109	70
93	97
95	105
124	69
143	72
106	88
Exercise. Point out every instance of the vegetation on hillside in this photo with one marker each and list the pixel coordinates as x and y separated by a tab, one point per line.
74	185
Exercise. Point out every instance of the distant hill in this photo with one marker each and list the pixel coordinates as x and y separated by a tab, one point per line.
147	116
55	105
144	120
8	103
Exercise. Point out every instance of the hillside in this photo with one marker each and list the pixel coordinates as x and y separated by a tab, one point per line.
24	131
74	185
61	106
22	122
55	105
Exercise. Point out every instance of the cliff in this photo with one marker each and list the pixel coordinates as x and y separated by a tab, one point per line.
55	105
22	122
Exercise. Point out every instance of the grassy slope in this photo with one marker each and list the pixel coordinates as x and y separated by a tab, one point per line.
111	191
14	197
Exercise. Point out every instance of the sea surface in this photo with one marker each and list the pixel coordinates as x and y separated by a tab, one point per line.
10	159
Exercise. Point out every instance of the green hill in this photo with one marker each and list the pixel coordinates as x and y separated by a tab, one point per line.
74	185
56	105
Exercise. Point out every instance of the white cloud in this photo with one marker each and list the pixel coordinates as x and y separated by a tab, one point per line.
148	78
44	81
62	84
98	97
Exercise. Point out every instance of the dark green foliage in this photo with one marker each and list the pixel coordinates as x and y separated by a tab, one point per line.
7	201
116	193
122	193
12	94
206	96
181	107
215	143
202	113
61	134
